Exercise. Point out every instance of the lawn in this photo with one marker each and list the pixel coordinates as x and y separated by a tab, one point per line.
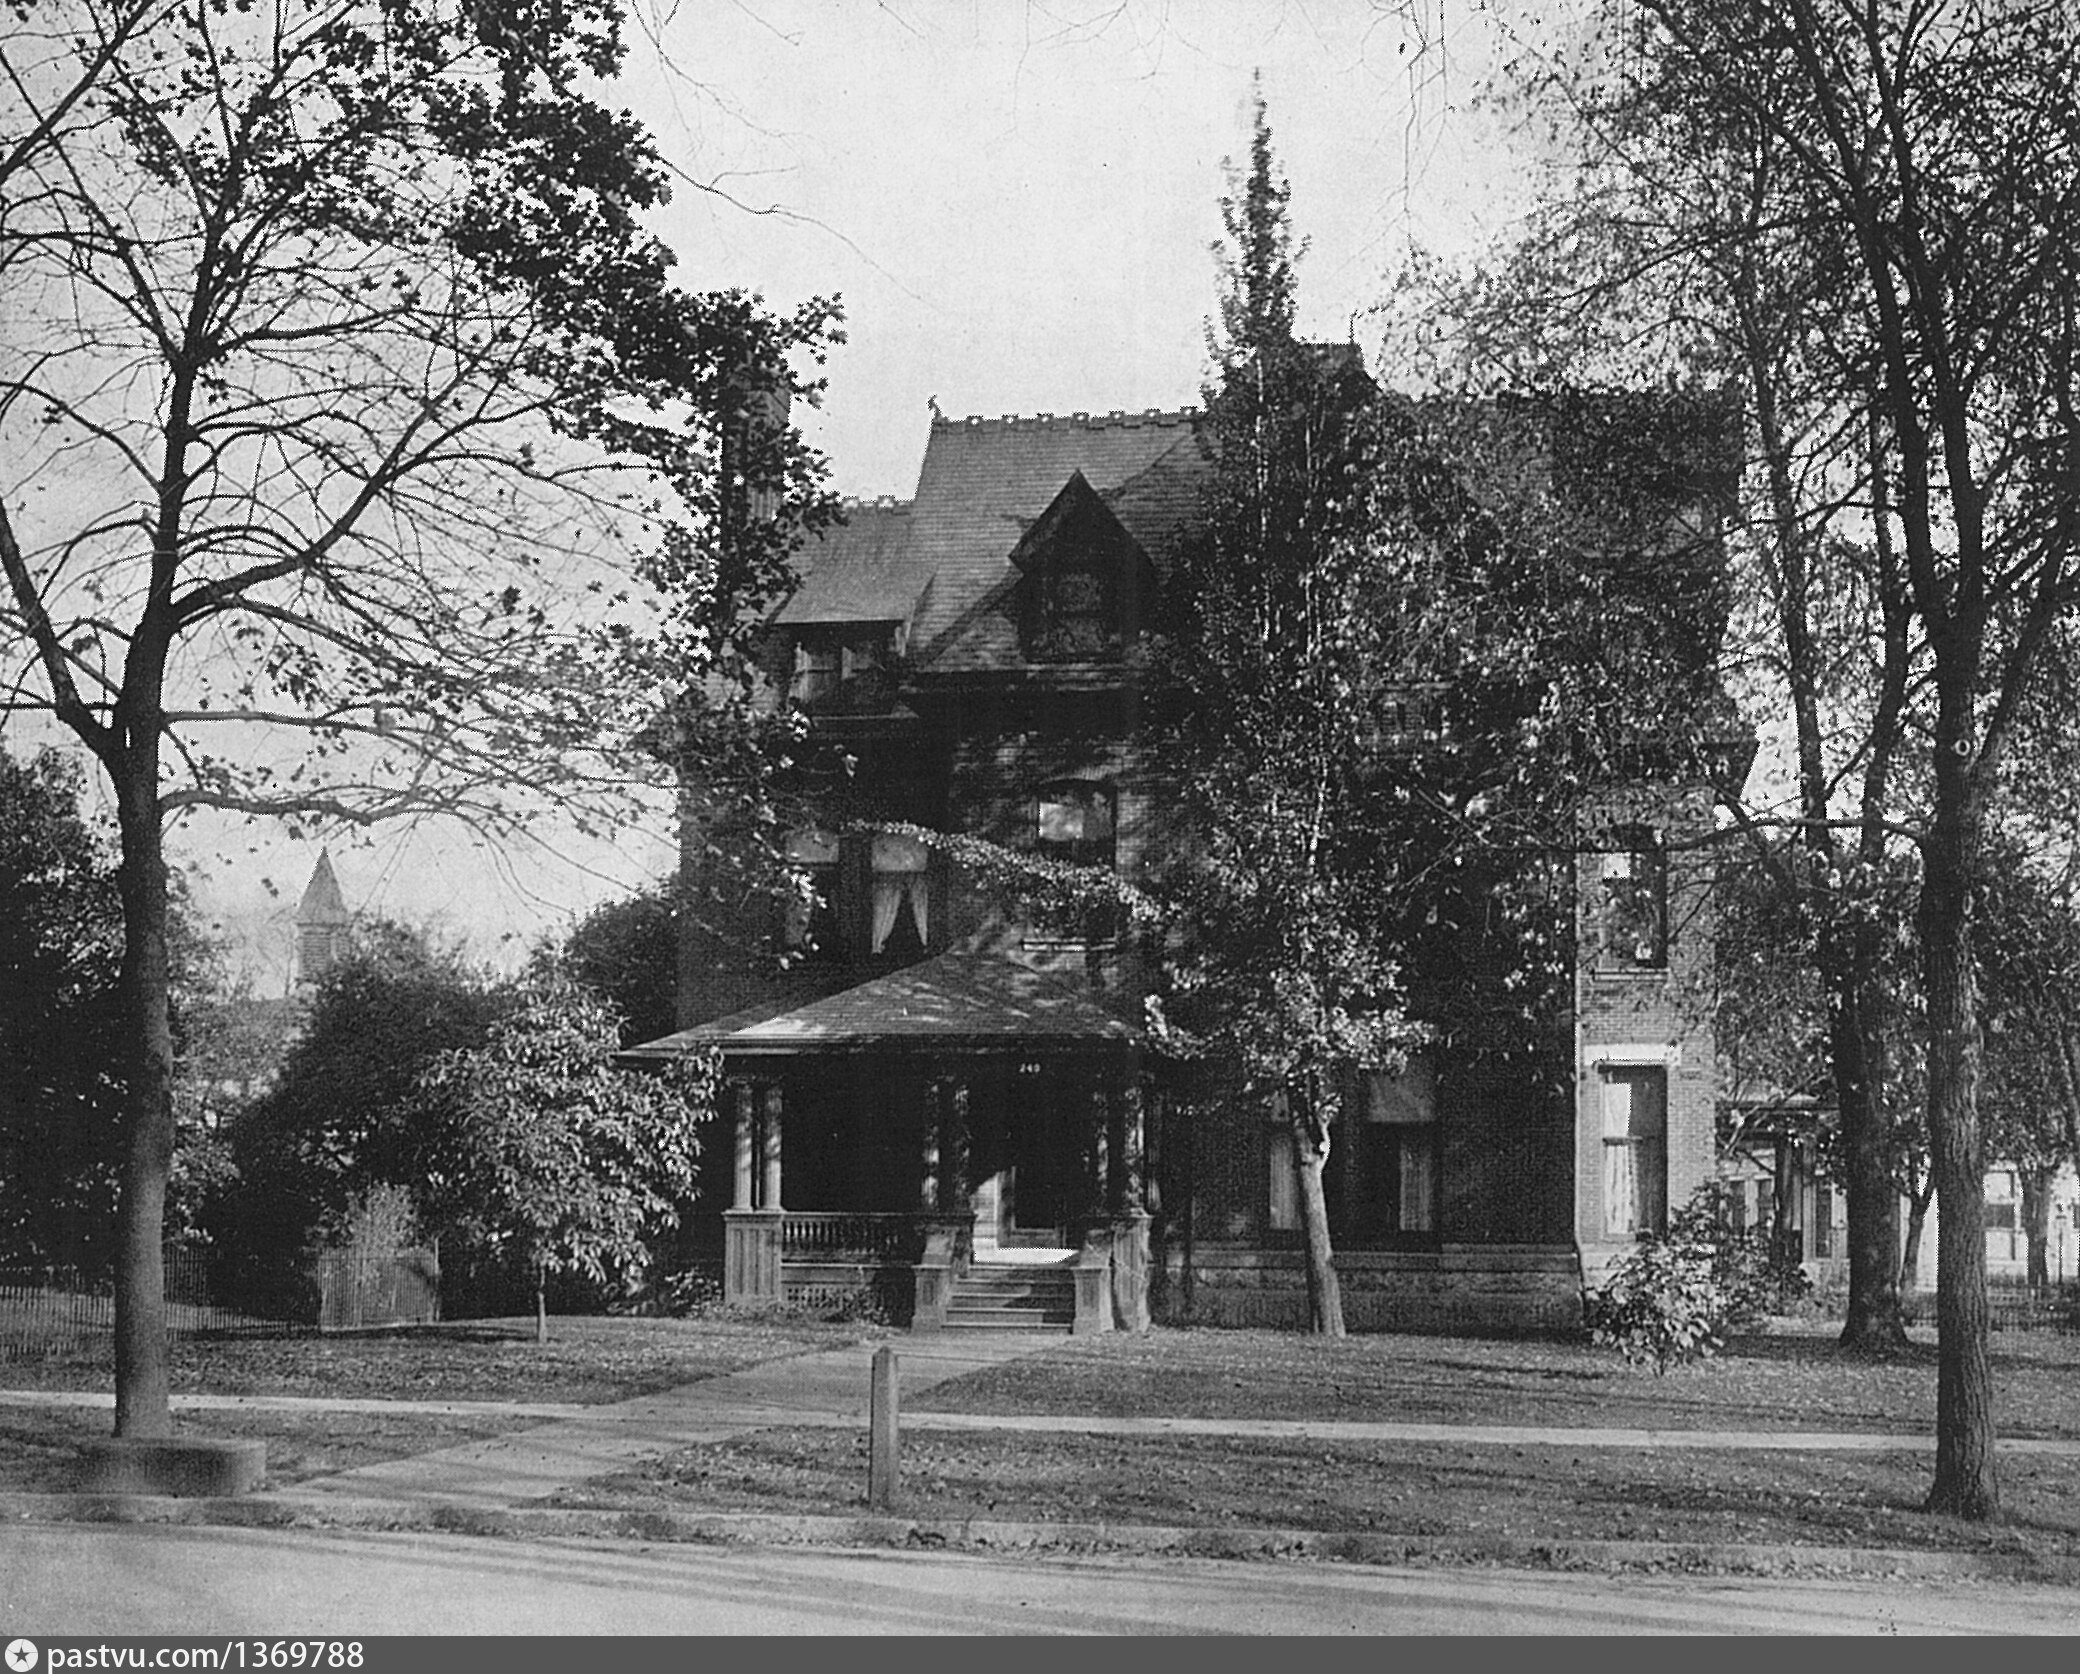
1427	1492
1795	1380
1789	1380
586	1360
38	1445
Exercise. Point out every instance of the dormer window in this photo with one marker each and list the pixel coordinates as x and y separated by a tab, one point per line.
1079	617
1082	580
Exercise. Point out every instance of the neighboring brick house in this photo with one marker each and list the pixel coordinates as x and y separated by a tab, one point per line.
943	1096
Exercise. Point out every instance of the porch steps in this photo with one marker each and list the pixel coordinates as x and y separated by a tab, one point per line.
1006	1296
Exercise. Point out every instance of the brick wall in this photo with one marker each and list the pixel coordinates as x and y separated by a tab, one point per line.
1633	1018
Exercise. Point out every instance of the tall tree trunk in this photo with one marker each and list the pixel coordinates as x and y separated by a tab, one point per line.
1310	1156
541	1302
1917	1224
1966	1484
2036	1182
143	1407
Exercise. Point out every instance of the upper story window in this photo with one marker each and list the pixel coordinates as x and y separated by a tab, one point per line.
818	667
1633	910
828	658
902	908
1078	615
1075	821
812	919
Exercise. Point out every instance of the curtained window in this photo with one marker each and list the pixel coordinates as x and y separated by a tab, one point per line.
1635	1150
902	896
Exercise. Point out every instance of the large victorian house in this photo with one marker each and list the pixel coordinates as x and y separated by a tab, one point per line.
938	1092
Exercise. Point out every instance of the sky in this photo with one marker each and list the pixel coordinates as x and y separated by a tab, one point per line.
1016	201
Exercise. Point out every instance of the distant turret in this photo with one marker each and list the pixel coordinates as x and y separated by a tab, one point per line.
321	924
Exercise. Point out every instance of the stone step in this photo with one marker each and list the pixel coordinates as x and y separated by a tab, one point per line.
1013	1297
1010	1319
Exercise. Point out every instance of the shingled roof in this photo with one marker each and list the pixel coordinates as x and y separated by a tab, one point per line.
971	1001
941	562
861	571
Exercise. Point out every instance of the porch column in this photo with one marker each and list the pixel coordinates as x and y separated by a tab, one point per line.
741	1097
1119	1173
1103	1166
954	1184
769	1198
931	1190
1133	1143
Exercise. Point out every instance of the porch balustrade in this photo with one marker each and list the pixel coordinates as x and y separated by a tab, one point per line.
816	1236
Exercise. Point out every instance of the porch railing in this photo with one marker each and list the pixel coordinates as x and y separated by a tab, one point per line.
815	1235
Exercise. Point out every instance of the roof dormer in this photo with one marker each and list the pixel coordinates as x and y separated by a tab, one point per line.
1084	582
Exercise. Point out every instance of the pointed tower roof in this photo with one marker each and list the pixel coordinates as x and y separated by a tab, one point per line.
322	902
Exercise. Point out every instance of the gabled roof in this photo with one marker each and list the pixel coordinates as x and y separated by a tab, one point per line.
985	482
941	562
958	1001
1076	516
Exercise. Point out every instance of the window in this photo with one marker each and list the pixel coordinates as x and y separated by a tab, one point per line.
902	924
1635	1150
818	667
1386	1188
1634	908
1281	1188
812	923
1080	618
825	659
1823	1221
1074	821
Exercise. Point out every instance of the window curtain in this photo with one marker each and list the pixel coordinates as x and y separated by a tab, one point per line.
900	880
1418	1180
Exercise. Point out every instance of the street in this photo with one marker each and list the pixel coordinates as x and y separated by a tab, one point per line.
67	1579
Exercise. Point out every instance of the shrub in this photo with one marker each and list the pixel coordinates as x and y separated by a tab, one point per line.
1662	1305
1673	1298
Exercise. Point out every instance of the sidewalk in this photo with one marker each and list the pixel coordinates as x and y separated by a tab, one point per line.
829	1388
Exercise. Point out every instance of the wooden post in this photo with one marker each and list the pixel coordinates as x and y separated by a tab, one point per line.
882	1432
769	1196
742	1100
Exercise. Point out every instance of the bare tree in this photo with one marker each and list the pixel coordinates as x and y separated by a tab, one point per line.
344	398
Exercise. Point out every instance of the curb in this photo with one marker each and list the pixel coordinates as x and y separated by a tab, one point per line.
288	1510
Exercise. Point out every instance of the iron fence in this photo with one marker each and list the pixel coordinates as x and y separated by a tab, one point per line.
51	1312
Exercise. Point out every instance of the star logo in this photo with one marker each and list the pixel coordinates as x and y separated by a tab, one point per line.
21	1656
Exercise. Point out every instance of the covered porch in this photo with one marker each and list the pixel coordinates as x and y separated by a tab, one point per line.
925	1128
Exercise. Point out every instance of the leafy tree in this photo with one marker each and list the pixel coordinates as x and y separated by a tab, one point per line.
1419	649
548	1150
2027	931
627	952
345	1114
60	946
1281	963
1890	186
342	379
